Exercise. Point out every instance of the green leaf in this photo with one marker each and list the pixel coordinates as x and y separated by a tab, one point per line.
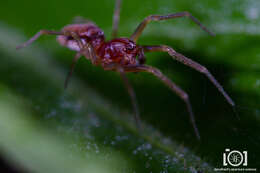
95	96
34	147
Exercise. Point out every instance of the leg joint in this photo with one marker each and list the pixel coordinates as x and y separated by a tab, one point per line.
185	97
186	13
43	31
204	70
166	48
152	17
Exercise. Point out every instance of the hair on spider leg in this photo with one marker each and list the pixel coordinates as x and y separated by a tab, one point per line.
88	40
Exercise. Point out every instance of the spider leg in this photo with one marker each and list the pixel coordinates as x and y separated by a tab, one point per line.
188	62
75	59
77	56
116	18
132	96
150	18
37	35
86	49
77	38
182	94
93	56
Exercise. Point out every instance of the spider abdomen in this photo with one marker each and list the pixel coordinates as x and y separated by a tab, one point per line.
88	32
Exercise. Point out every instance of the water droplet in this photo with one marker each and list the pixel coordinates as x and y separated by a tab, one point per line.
51	114
135	152
252	13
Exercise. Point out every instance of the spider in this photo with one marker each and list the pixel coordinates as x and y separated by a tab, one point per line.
125	55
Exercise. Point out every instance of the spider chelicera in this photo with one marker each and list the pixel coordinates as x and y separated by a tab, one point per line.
125	55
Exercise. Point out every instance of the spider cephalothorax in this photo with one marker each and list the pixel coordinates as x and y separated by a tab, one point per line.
121	51
124	55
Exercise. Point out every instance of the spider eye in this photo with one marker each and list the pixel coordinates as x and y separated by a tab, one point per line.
130	47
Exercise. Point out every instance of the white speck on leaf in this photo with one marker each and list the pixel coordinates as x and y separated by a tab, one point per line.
252	13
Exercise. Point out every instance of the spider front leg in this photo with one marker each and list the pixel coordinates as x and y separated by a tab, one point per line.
132	96
182	94
49	32
37	35
75	60
188	62
85	49
148	19
116	18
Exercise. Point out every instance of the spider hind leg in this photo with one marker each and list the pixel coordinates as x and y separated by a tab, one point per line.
176	89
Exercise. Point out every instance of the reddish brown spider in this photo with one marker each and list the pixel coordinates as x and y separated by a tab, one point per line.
124	55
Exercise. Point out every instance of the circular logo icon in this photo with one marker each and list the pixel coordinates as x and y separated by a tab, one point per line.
235	158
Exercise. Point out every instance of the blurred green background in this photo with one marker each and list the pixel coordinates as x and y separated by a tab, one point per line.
90	128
